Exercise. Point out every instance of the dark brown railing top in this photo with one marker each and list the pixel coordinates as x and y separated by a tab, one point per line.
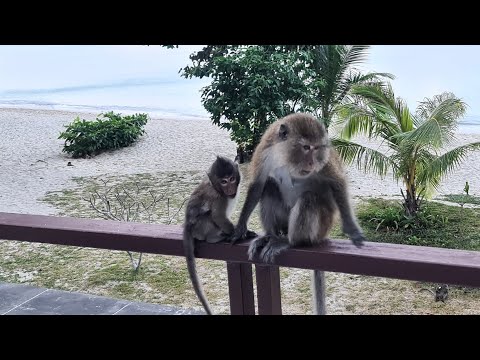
376	259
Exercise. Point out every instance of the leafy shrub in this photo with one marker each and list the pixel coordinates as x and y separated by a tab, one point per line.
87	138
436	224
393	218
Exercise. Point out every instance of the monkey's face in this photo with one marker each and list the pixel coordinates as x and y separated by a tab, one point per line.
229	185
225	176
308	157
305	145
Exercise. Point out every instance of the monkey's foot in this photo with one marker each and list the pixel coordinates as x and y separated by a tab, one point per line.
257	245
358	239
267	247
274	247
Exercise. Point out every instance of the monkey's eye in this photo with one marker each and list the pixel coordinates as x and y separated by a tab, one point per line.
306	147
223	182
316	147
232	179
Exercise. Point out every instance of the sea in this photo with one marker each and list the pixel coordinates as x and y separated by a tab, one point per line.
158	98
169	100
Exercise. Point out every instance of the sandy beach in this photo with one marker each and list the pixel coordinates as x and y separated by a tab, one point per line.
32	162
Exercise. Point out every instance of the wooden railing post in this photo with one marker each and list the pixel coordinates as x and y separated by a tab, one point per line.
318	289
268	290
240	288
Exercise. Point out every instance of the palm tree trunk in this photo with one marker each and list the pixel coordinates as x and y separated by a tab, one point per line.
410	201
325	117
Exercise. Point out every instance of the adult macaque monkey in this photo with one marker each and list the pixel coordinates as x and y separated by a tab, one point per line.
207	212
300	182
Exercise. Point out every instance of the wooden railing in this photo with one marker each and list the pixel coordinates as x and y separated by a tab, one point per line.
456	267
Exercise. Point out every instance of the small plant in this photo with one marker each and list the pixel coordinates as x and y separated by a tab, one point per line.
87	138
119	203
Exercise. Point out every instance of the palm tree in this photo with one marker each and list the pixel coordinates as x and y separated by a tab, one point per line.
415	141
333	73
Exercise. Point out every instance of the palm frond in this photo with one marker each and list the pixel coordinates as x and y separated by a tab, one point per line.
439	116
379	97
353	54
357	78
435	170
358	119
369	78
405	119
438	120
366	158
452	109
382	99
355	120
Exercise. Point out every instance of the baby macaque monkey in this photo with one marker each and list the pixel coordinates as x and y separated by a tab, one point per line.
207	212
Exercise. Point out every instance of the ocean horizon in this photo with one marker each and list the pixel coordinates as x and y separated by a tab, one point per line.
169	99
157	97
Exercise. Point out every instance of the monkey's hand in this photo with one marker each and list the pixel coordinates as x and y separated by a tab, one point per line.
242	233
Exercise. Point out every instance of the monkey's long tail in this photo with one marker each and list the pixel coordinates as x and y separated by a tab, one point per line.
189	246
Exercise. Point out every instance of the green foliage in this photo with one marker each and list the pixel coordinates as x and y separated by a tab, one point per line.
436	224
252	86
87	138
333	72
416	140
393	218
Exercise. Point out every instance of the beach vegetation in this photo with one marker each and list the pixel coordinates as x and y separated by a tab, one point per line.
415	141
435	224
109	131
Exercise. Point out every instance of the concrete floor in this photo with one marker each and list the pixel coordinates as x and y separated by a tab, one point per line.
18	299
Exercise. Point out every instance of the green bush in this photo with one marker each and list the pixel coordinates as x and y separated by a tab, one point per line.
393	218
87	138
436	224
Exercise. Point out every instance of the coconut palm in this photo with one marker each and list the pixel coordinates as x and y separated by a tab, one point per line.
334	71
415	141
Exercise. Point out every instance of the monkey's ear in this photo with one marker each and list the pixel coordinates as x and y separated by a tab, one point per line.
210	176
282	133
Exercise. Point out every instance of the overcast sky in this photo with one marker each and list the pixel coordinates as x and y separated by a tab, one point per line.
420	70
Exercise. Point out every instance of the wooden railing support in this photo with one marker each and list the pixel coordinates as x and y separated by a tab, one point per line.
240	288
268	290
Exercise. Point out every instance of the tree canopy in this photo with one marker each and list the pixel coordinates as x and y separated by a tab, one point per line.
253	85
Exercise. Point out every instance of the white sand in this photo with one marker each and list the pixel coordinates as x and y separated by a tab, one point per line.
31	161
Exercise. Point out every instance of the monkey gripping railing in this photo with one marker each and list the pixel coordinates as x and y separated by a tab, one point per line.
456	267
